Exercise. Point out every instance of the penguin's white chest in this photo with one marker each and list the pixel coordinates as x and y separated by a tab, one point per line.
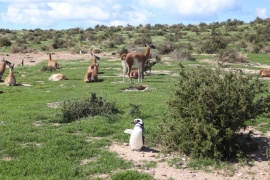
136	138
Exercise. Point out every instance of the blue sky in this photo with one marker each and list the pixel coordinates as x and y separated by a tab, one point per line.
65	14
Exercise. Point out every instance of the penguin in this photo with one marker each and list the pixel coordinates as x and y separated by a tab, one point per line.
136	140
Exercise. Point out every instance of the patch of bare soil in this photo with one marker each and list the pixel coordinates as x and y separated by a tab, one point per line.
30	59
259	169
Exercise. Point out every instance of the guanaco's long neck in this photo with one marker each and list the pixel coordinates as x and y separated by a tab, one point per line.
10	71
147	52
50	57
3	68
10	74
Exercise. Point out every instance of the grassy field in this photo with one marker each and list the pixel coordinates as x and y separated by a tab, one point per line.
34	145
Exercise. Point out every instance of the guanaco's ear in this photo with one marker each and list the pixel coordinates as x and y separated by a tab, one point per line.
97	57
152	46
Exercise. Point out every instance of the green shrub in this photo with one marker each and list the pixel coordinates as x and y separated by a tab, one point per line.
123	50
92	106
48	68
207	110
181	54
166	47
110	44
75	50
5	42
231	56
214	45
96	51
142	39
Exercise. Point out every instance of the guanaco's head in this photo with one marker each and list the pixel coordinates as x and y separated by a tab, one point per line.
11	66
5	62
150	45
123	56
96	57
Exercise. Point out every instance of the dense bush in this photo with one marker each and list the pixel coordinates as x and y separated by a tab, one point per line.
92	106
166	47
18	48
5	42
123	50
48	68
231	56
142	39
117	39
207	110
214	44
181	54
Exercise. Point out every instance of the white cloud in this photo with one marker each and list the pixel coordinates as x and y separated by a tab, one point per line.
261	12
76	11
47	13
189	8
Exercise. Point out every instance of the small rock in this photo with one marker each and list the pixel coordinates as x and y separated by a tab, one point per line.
184	166
178	163
240	174
137	165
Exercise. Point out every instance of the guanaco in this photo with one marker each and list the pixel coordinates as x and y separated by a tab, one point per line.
91	75
136	59
3	68
10	79
52	63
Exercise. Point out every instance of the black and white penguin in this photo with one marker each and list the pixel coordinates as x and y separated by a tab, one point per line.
136	140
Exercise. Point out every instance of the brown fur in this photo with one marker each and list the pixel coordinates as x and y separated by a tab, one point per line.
57	77
123	56
10	79
134	74
52	63
136	59
91	66
91	75
265	72
3	67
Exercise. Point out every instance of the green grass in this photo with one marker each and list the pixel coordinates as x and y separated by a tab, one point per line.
259	58
34	146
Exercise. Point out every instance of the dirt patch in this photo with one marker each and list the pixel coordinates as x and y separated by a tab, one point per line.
162	170
54	104
31	59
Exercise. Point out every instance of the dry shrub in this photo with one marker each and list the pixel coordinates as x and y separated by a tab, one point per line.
96	50
264	50
231	56
181	54
19	48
